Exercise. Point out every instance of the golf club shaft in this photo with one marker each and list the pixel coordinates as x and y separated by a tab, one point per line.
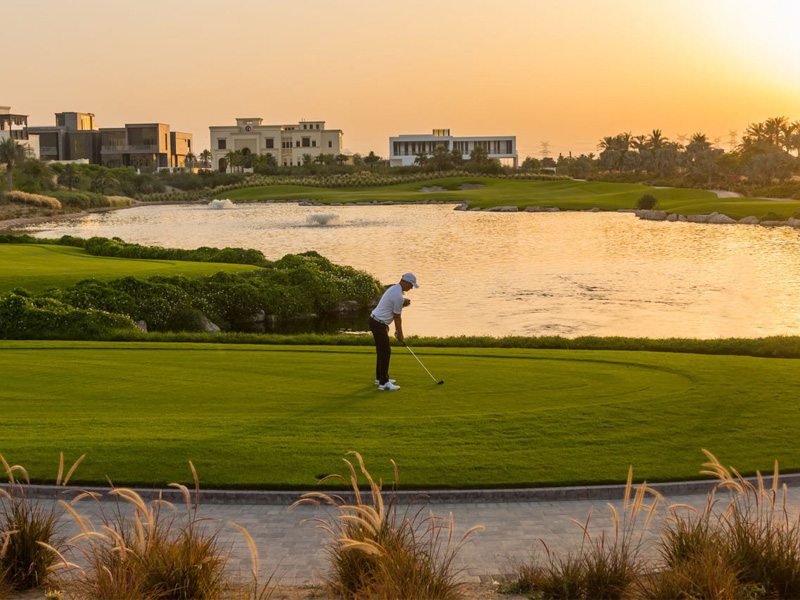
420	362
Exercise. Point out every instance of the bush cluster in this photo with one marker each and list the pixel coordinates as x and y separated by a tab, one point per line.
33	200
26	317
291	287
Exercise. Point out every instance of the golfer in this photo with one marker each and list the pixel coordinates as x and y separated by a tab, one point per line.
388	310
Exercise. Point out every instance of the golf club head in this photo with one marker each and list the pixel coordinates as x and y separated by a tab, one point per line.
440	382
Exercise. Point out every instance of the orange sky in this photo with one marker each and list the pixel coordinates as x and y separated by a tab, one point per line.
567	71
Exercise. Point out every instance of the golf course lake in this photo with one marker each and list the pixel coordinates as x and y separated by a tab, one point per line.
499	274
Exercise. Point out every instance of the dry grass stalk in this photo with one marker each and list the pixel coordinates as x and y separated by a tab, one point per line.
376	552
140	552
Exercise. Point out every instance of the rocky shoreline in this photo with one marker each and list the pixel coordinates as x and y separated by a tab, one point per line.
715	218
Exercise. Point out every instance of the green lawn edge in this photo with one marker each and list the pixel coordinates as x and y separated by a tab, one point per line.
513	418
562	194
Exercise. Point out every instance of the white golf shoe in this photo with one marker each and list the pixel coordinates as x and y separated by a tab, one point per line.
389	386
378	382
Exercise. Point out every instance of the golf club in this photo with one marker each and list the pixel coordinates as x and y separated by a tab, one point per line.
440	382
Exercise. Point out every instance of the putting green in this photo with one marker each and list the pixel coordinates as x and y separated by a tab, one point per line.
277	417
35	268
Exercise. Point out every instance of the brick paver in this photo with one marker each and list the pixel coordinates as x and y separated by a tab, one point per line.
295	553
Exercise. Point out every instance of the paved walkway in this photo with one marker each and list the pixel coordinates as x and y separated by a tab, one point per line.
296	554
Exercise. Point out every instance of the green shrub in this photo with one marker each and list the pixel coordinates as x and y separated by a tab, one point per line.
23	317
647	202
292	287
82	200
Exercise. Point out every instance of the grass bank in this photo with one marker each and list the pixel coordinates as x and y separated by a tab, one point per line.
38	267
567	195
278	417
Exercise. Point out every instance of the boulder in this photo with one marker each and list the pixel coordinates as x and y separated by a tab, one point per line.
720	219
259	317
207	326
683	219
793	223
627	210
672	217
652	215
474	208
698	218
461	207
773	223
142	324
534	209
749	221
595	209
503	209
347	306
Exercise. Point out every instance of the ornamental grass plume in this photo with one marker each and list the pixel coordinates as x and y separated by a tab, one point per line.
747	547
376	552
28	530
155	553
33	200
604	566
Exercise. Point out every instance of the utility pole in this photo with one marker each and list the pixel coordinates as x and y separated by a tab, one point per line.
717	141
545	149
732	139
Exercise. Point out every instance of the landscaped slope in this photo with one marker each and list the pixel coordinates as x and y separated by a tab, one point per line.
256	416
35	267
568	194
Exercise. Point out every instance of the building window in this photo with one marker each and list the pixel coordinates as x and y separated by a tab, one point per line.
314	143
222	144
269	143
297	143
330	144
306	142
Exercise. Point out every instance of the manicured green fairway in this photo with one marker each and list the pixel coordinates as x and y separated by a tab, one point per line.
573	195
36	268
276	417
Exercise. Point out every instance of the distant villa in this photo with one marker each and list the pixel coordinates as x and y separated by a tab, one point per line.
287	143
147	146
404	149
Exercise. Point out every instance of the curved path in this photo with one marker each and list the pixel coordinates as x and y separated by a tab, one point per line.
295	553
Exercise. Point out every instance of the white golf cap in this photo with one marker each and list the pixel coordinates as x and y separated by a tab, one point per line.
410	278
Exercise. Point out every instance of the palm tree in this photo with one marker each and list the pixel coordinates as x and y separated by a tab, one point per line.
11	155
205	156
103	181
190	160
234	158
69	176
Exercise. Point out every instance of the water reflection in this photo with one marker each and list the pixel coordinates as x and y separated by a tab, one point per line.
516	274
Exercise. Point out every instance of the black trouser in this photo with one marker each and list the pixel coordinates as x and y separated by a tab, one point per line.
380	331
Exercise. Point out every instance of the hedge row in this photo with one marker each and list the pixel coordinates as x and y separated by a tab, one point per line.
26	317
100	246
348	180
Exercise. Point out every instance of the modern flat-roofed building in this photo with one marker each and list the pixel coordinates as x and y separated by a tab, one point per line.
287	143
15	126
403	149
73	137
147	146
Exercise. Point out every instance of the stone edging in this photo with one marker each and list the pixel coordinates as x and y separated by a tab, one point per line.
284	498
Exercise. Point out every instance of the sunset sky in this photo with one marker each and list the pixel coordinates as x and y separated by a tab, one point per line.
567	72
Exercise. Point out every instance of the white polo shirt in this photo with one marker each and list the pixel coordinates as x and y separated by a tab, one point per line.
391	304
